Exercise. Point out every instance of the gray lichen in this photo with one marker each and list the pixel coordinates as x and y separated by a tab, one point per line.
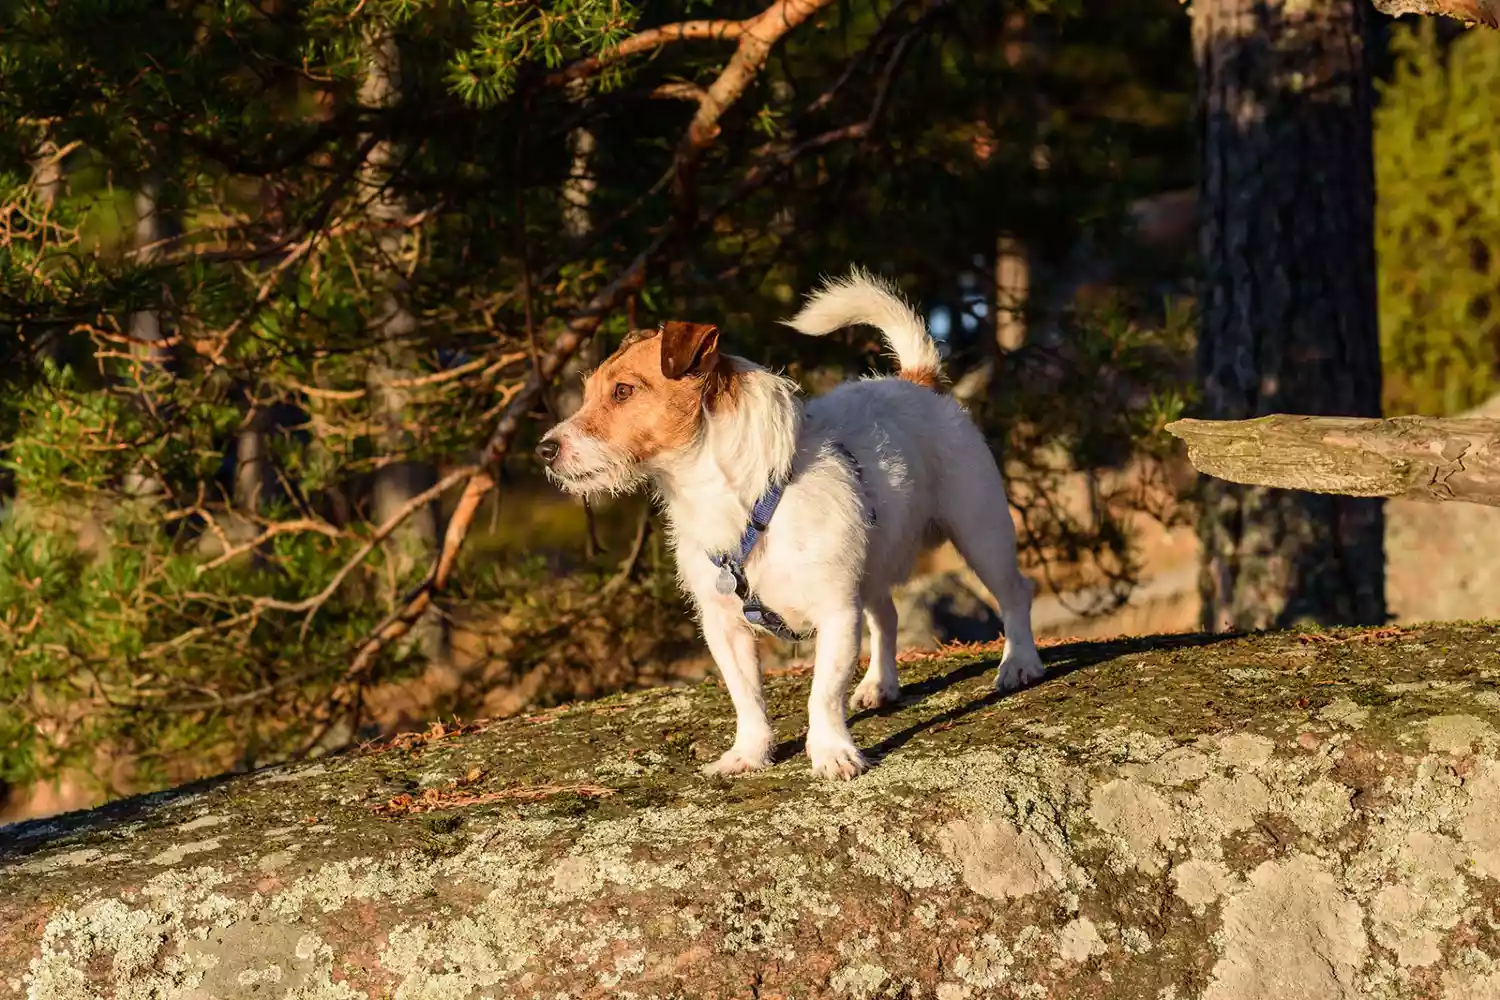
1107	833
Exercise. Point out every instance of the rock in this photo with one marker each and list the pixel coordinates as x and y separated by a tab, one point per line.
942	608
1434	569
1217	819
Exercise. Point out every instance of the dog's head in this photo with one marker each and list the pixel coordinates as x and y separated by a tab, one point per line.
646	402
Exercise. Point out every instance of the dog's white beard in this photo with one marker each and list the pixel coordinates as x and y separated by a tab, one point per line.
591	467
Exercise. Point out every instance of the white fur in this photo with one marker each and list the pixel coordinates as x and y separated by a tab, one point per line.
864	298
821	564
592	466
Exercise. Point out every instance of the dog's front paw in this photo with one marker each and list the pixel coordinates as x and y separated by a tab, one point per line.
838	761
1019	670
739	760
871	695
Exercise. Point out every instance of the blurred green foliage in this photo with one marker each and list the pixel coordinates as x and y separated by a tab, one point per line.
147	610
1437	163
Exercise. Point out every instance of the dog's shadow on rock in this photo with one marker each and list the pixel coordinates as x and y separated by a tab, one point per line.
1060	660
106	822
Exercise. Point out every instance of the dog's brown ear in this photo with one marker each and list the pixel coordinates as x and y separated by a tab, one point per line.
688	348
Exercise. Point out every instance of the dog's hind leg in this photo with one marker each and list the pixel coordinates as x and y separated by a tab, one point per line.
881	685
829	745
986	538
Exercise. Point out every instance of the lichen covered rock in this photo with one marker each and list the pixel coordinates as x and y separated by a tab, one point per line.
1230	819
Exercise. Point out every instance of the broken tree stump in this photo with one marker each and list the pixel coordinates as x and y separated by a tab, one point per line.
1418	458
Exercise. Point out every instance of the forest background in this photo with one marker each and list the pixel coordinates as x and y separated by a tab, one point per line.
287	290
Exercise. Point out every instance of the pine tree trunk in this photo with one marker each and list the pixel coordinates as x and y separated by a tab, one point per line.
1288	297
392	327
1012	256
253	473
577	218
47	174
153	224
578	223
1012	292
1011	270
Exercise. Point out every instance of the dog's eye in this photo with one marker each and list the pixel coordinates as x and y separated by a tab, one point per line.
623	391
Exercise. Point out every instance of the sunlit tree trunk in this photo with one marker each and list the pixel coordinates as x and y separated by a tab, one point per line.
153	225
253	473
393	326
1012	292
48	177
577	217
1011	263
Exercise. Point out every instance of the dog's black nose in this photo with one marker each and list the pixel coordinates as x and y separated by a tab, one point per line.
547	451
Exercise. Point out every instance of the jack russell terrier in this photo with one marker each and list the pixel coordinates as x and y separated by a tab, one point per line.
791	518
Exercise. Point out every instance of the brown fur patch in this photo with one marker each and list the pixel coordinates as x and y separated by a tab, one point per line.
688	348
660	414
927	378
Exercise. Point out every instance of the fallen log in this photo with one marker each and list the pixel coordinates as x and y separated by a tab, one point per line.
1418	458
1486	12
1281	815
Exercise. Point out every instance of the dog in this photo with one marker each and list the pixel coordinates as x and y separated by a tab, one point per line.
793	517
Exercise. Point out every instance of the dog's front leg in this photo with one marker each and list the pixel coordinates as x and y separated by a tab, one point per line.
829	744
733	647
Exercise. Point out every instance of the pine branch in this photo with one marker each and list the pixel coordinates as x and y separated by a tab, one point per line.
757	36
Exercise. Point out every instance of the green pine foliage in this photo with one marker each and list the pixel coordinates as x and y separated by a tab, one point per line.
148	610
1437	163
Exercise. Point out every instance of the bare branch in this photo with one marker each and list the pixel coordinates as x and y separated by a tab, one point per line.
277	528
649	41
310	605
629	563
680	91
760	34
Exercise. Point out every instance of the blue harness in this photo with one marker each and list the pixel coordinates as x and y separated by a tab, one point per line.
732	566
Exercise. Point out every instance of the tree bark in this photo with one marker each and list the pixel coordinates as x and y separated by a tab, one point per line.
253	472
153	224
48	175
1010	300
1288	297
577	218
1012	292
393	326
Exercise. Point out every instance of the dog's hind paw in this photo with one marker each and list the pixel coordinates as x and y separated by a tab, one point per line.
739	760
1019	670
840	762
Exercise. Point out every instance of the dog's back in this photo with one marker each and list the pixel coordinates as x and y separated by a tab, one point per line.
908	436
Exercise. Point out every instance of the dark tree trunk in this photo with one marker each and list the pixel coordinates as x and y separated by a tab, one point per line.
1288	297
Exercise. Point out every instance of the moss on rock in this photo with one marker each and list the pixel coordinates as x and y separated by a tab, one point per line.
1163	818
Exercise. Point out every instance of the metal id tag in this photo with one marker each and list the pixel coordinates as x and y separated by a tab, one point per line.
725	584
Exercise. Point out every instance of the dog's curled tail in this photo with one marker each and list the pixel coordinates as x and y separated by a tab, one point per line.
864	298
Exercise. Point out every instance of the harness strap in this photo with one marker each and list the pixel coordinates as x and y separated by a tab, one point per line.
732	566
